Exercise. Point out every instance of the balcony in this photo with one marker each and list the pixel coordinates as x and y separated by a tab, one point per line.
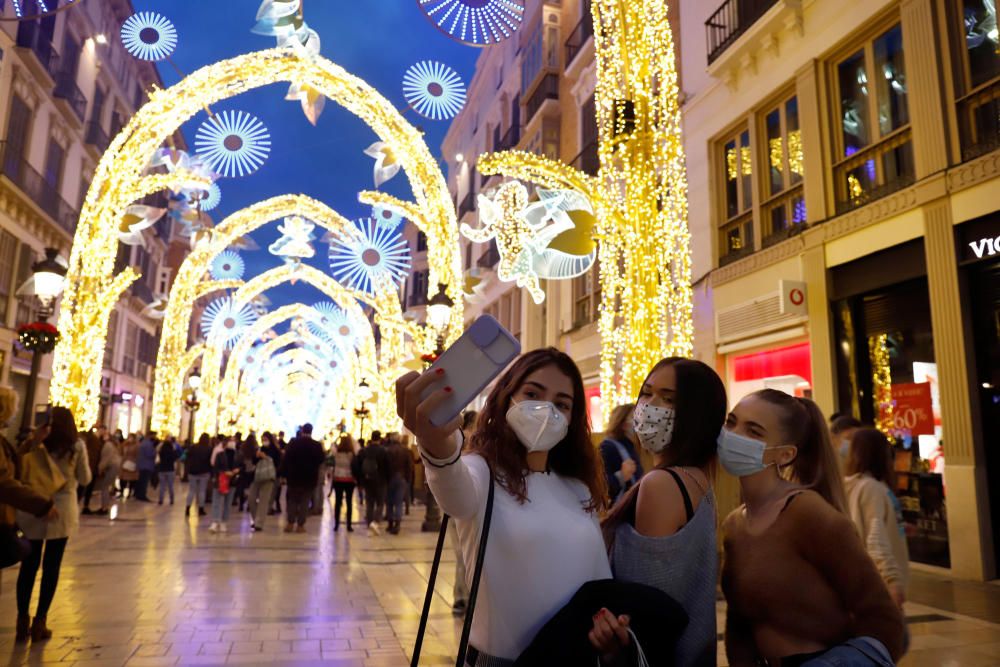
30	36
40	191
588	161
583	31
979	118
490	258
547	89
66	89
510	139
97	137
730	21
468	204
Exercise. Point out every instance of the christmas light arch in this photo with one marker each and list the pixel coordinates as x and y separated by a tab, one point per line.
92	288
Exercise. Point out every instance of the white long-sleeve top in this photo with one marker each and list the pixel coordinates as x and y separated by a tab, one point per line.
537	555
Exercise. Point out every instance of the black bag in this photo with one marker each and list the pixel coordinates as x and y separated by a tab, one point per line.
463	645
13	547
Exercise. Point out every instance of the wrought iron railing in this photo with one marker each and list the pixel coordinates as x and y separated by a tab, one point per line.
510	139
783	216
876	172
96	136
588	161
547	89
30	36
490	258
583	31
67	89
979	119
39	190
730	21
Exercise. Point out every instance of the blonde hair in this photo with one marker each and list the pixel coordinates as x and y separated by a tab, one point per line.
8	404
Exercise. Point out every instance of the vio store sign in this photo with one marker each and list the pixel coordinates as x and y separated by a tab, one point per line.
986	247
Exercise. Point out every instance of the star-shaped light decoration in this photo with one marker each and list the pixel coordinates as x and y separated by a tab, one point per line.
334	324
224	323
434	90
475	22
364	255
136	220
283	20
296	238
387	218
386	163
233	143
149	36
228	265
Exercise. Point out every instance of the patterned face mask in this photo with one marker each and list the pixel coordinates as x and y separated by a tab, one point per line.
654	426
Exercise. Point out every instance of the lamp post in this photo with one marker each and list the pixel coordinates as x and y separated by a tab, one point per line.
46	283
365	392
191	403
438	315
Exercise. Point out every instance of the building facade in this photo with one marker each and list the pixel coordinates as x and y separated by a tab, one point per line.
67	87
844	168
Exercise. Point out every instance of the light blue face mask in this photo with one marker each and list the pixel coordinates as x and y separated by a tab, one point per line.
739	455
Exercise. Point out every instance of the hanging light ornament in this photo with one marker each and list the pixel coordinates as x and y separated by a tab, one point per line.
362	256
149	36
228	265
335	325
224	323
475	22
283	19
212	197
234	143
434	90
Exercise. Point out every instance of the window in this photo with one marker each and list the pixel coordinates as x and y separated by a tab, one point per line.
784	206
736	234
418	288
421	242
531	63
129	350
978	76
550	138
8	259
55	159
25	304
873	142
586	296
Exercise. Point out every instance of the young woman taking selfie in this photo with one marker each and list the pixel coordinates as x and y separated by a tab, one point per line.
544	541
801	590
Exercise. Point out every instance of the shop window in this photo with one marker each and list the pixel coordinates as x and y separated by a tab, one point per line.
787	368
784	206
873	137
8	257
978	75
736	235
888	377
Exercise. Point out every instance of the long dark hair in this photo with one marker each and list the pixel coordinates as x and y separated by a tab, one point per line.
616	423
700	406
815	466
205	440
63	434
574	457
871	454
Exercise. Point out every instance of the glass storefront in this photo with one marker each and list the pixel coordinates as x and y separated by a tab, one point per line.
787	368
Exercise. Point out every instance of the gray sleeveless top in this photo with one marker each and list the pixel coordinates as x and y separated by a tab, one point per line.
684	566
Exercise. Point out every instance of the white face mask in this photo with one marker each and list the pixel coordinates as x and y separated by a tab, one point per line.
537	424
653	426
741	456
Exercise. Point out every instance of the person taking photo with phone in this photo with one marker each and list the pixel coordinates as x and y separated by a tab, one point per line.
545	541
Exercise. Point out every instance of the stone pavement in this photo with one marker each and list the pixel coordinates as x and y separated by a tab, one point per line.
153	588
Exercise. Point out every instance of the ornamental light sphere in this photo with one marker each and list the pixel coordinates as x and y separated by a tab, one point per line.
363	256
434	90
224	323
149	36
234	143
475	22
211	197
228	265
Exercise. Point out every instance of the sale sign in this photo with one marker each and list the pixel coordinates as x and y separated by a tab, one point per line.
912	411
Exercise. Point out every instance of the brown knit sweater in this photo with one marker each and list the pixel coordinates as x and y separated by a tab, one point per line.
806	577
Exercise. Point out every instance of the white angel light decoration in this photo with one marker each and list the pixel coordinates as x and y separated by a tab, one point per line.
296	239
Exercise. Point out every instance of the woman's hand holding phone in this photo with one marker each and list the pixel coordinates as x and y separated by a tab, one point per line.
415	413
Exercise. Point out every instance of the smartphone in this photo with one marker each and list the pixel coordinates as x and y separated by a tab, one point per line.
471	363
43	416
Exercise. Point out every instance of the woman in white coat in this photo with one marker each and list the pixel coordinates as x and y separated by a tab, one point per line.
50	537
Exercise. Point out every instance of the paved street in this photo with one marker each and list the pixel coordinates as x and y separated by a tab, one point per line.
155	589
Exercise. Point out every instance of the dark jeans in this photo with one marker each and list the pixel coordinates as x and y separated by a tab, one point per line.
142	487
88	491
397	493
51	563
344	490
297	503
374	502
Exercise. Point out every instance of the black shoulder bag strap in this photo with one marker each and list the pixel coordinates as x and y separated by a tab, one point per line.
463	645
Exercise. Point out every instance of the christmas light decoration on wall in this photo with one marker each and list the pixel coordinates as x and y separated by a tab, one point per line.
120	179
363	254
475	22
639	196
234	143
434	90
149	36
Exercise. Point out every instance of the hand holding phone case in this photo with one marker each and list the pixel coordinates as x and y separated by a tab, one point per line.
471	363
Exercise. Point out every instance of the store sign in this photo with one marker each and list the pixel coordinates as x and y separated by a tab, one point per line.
913	411
793	297
978	240
985	247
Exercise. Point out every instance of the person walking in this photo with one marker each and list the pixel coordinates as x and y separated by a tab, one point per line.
374	469
343	481
199	469
399	468
622	468
533	445
224	470
166	469
14	494
265	475
800	588
870	504
661	533
300	468
128	477
49	538
247	461
108	466
147	466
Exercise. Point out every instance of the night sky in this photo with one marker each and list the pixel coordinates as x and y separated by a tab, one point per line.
376	40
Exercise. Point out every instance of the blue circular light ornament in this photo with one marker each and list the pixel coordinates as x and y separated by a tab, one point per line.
212	197
434	90
149	36
475	22
366	255
224	324
234	143
228	265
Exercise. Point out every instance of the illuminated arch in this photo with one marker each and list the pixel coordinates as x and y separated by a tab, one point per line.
92	288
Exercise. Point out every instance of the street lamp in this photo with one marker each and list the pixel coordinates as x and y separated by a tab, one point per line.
438	315
48	277
191	403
